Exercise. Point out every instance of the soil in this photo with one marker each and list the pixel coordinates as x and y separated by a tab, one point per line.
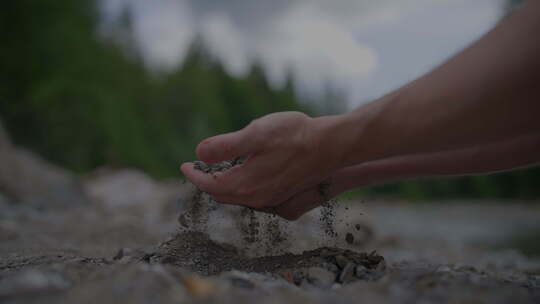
197	252
211	168
95	253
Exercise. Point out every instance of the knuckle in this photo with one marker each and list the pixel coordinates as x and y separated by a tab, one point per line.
254	126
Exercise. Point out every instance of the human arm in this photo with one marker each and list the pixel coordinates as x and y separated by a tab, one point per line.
483	159
488	92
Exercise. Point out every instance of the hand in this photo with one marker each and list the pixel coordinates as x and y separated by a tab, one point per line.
341	181
306	200
287	152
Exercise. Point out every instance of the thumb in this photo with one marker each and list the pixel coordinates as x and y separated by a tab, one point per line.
225	146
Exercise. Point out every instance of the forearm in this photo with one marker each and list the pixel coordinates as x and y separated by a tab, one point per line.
489	158
487	93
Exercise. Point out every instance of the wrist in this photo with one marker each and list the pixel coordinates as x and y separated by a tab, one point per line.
335	139
362	175
347	138
376	130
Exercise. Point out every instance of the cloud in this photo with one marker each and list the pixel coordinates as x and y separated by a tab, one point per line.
365	47
316	49
164	29
226	42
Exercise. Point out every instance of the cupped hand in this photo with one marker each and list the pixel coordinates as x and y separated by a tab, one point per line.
340	181
306	200
286	153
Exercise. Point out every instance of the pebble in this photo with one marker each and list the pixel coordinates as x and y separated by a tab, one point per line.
360	271
242	283
331	267
298	277
122	253
341	261
365	274
347	275
199	287
321	277
444	269
288	276
349	238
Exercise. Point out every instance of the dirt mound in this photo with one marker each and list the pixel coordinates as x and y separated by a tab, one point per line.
197	252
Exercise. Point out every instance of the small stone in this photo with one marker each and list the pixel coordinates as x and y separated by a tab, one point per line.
124	260
123	252
365	274
381	267
330	267
341	261
466	268
349	238
199	287
183	220
212	269
298	277
444	268
375	275
242	283
360	271
320	277
119	254
347	275
335	286
288	276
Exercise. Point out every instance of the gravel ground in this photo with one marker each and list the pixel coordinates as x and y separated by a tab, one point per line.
102	251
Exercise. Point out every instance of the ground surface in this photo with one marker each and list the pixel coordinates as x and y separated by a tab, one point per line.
128	246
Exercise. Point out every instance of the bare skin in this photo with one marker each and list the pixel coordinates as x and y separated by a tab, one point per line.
485	98
489	158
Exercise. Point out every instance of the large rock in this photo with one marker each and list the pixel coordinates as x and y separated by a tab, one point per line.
130	191
24	176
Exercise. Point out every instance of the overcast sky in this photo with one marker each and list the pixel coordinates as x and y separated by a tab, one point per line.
364	47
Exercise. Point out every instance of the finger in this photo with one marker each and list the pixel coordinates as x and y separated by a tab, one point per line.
306	200
299	204
209	183
225	199
225	146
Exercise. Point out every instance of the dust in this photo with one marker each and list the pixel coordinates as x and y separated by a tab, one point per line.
250	226
328	213
261	230
196	217
277	234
